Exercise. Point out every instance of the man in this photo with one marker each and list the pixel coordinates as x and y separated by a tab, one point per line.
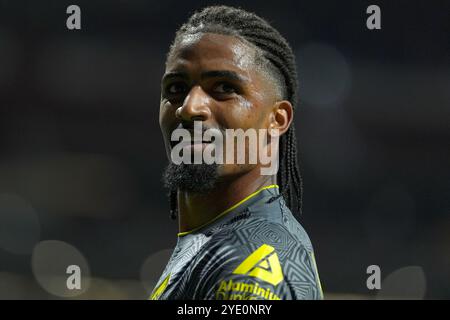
229	69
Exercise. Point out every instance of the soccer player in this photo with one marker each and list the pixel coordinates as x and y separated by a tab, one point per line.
239	235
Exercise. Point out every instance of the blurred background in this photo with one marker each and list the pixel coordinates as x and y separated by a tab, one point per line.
81	153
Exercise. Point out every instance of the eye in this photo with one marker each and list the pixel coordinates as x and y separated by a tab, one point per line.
175	88
225	87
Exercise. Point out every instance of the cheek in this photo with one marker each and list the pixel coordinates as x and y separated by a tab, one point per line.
166	115
241	114
167	122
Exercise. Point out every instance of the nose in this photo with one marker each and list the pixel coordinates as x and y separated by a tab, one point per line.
195	106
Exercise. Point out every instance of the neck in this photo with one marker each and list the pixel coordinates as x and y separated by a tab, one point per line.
196	209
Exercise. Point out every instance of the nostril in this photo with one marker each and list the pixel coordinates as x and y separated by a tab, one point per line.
197	118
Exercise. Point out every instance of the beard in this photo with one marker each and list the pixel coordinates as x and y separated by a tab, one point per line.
195	178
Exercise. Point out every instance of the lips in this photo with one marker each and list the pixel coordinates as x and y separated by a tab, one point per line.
195	136
193	143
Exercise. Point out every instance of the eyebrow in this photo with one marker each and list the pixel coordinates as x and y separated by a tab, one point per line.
231	75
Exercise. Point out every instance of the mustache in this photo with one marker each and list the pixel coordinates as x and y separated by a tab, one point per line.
189	126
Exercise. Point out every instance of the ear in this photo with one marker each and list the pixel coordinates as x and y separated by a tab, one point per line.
281	116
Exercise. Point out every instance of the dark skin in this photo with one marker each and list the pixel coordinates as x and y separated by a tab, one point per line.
213	78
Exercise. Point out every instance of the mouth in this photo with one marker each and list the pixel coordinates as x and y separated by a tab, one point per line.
194	140
193	144
198	146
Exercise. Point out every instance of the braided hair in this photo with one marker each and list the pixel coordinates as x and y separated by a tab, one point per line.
279	61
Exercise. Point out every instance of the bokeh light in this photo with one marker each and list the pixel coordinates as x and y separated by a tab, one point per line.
405	283
325	75
50	262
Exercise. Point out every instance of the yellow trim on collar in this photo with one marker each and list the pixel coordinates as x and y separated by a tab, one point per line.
228	210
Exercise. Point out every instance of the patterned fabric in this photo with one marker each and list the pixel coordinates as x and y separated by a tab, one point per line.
258	251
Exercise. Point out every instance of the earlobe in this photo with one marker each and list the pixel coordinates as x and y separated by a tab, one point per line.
282	115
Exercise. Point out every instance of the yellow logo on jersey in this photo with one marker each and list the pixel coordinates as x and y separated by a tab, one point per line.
157	292
263	264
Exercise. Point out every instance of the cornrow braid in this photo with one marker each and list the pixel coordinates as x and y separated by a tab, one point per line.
280	63
173	203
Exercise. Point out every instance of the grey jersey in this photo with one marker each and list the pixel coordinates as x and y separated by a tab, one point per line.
257	250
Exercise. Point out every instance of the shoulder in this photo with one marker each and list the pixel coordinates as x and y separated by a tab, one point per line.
256	253
278	229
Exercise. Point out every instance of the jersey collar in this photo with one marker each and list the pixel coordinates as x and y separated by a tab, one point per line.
259	196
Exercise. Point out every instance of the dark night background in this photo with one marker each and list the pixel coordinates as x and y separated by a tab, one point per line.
81	153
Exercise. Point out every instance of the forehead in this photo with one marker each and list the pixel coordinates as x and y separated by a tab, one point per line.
212	51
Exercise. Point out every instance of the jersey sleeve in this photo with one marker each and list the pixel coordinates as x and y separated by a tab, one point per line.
256	272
